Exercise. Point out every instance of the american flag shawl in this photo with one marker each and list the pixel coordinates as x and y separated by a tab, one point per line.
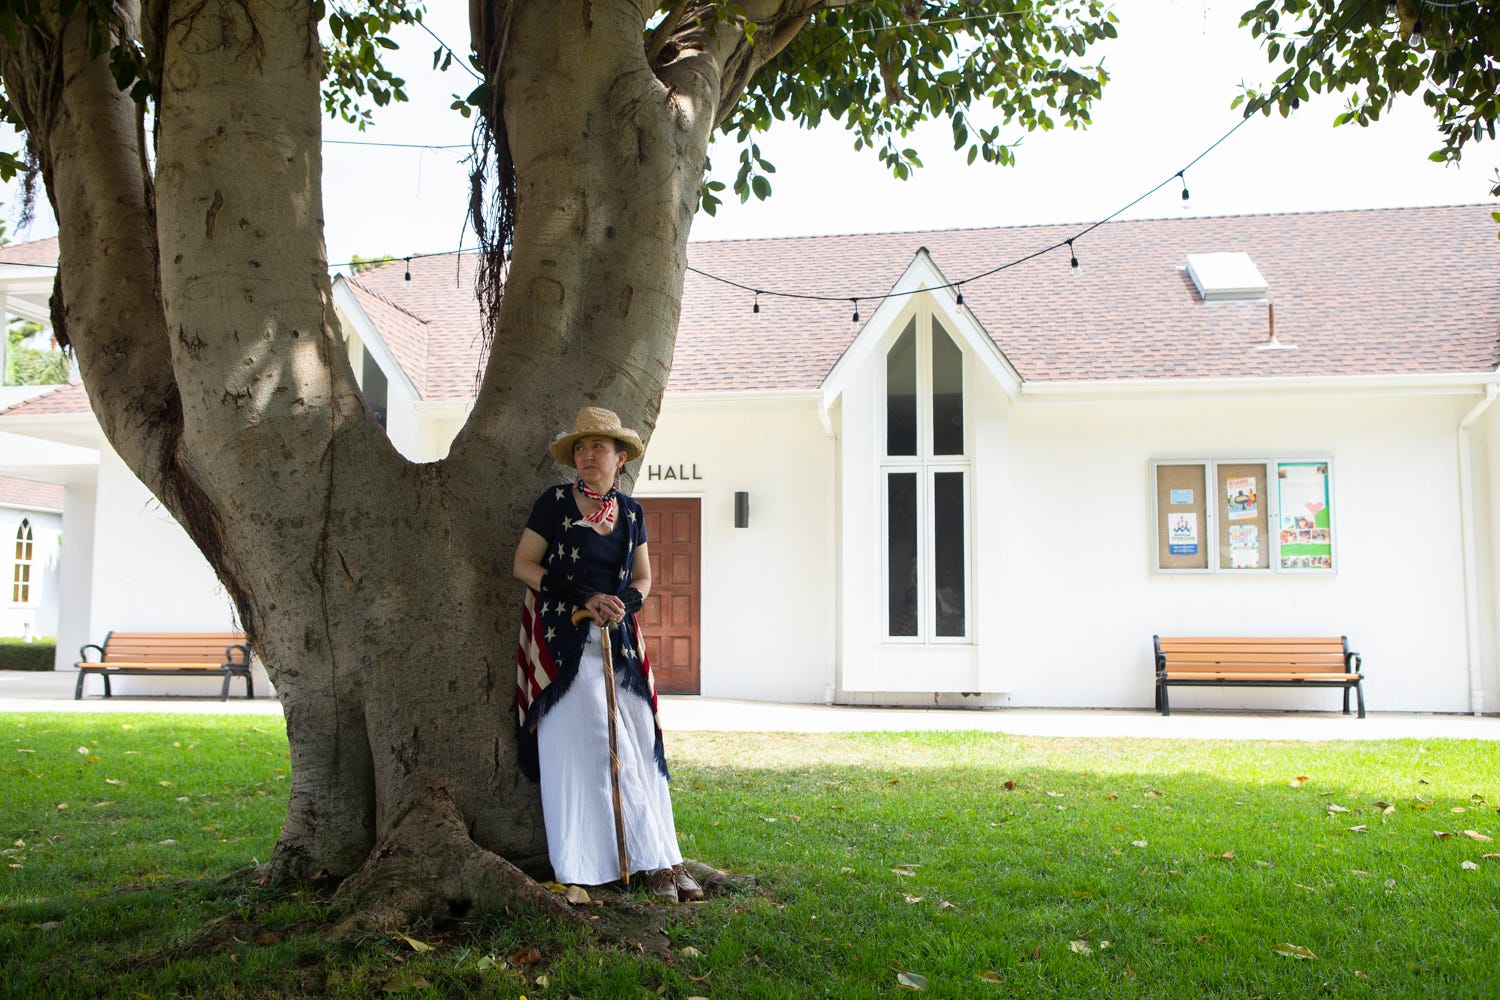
550	646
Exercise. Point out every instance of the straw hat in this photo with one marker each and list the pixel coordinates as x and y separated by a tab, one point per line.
595	420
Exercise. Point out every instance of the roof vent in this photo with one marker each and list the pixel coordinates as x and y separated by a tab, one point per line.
1226	277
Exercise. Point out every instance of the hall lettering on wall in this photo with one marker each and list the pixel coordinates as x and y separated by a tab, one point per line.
681	471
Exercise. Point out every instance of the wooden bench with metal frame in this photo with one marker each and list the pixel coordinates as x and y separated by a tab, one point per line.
176	654
1256	661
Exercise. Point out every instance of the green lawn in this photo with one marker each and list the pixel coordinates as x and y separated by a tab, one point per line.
974	865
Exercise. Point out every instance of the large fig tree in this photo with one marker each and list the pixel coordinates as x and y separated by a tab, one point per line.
179	145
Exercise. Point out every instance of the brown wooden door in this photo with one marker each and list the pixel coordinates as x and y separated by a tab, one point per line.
669	617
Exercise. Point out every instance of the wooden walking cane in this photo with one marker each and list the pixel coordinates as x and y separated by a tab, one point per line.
580	616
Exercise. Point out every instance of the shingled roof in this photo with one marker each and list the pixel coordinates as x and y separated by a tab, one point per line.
69	398
1382	291
29	495
1371	292
36	252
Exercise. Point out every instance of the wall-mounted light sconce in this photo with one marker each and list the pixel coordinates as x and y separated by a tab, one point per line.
741	509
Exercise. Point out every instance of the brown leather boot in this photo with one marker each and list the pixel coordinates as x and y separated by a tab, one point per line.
662	885
687	886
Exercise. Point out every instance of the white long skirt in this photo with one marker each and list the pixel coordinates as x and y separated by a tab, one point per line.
573	744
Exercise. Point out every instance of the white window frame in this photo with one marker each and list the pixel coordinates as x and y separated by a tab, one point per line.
25	536
926	466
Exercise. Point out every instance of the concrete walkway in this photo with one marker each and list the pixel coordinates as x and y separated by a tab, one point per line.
22	691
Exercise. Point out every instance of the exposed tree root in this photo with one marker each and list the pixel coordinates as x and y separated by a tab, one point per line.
428	866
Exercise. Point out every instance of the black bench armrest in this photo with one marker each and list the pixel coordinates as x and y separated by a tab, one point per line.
83	651
242	660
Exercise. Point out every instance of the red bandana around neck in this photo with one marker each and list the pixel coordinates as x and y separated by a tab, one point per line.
605	515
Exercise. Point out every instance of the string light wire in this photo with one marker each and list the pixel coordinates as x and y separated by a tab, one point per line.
957	283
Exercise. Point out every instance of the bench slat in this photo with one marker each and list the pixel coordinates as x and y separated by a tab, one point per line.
162	665
1259	675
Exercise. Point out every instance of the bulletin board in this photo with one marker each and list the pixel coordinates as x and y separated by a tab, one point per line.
1241	500
1305	505
1181	517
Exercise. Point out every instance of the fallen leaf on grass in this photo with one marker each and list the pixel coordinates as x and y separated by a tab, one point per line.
1476	835
1334	807
1152	793
1490	856
1441	834
524	956
1361	828
409	981
416	946
1009	785
1458	809
1228	855
1299	781
690	952
945	905
846	870
1361	975
1361	874
1294	951
990	976
1080	947
911	981
1138	843
1469	866
913	899
905	871
577	895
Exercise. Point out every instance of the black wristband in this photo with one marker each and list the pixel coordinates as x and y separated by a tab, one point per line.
633	600
555	586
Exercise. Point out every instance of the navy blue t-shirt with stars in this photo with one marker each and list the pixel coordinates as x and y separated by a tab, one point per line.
600	563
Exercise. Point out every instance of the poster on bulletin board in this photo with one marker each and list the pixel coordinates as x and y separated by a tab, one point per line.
1306	530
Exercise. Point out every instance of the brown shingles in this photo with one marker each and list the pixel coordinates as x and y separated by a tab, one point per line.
29	494
68	398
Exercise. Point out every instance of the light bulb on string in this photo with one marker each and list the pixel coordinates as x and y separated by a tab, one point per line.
756	307
408	269
1185	195
1072	256
855	318
960	288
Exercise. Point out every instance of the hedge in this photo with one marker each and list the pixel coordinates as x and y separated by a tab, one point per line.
18	654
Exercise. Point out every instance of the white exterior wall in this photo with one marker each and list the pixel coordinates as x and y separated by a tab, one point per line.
80	511
1485	450
767	607
1083	548
149	577
39	615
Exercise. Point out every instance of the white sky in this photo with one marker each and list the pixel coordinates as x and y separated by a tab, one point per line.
1175	69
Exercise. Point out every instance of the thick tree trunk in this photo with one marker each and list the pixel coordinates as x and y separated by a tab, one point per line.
378	593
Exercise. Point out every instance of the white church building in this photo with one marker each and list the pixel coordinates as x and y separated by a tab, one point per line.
953	468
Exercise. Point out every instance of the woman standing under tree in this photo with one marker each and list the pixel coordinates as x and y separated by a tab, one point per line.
584	548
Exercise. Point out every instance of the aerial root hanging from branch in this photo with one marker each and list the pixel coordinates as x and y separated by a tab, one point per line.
428	866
